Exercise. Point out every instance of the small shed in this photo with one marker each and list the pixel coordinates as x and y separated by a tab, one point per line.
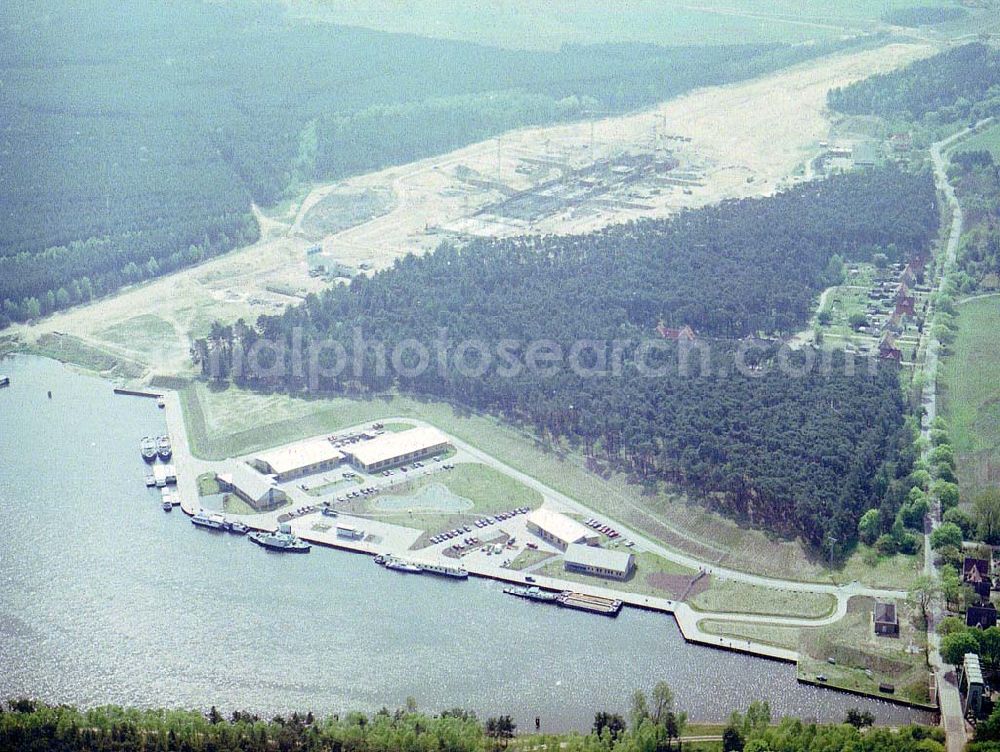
885	619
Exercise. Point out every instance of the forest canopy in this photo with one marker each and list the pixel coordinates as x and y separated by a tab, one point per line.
959	84
129	151
803	453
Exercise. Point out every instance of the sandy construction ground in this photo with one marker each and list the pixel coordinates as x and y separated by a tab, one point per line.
745	139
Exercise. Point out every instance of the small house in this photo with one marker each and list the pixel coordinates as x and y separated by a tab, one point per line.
983	616
684	334
888	349
976	573
885	619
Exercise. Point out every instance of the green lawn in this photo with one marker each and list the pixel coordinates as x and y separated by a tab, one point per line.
68	349
969	394
851	642
988	139
766	634
488	490
529	557
208	484
146	332
891	572
737	597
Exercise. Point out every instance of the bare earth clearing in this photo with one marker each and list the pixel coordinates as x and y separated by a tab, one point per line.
744	139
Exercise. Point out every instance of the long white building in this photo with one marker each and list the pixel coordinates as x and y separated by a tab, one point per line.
559	529
297	460
391	449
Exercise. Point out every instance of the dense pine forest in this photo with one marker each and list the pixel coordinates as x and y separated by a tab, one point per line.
805	454
27	726
128	151
956	85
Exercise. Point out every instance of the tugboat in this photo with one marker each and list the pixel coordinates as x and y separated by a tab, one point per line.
532	594
163	447
213	521
167	505
238	528
279	541
399	565
148	448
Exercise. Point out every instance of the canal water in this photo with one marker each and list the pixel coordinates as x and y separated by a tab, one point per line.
105	598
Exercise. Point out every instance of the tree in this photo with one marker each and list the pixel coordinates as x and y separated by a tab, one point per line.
732	740
951	585
946	534
950	624
612	722
869	526
946	492
857	320
639	708
662	702
500	730
989	648
859	719
923	590
961	518
986	510
956	645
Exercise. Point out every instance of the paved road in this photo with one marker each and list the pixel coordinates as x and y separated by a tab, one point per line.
948	695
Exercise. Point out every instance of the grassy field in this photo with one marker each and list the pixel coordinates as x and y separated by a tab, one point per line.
647	565
208	484
71	350
765	634
730	597
852	643
988	139
146	333
969	394
528	558
233	504
891	572
488	490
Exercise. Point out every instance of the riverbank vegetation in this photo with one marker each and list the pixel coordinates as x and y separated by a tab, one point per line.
760	445
130	153
654	723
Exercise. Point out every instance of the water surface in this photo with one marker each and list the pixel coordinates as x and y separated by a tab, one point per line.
104	598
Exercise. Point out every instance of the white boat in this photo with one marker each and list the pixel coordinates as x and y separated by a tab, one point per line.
446	570
213	521
399	565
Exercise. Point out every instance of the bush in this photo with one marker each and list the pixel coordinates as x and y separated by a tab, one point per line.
947	534
961	518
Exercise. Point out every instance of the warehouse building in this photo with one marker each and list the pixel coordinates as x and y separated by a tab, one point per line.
301	459
559	529
599	562
391	449
255	489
